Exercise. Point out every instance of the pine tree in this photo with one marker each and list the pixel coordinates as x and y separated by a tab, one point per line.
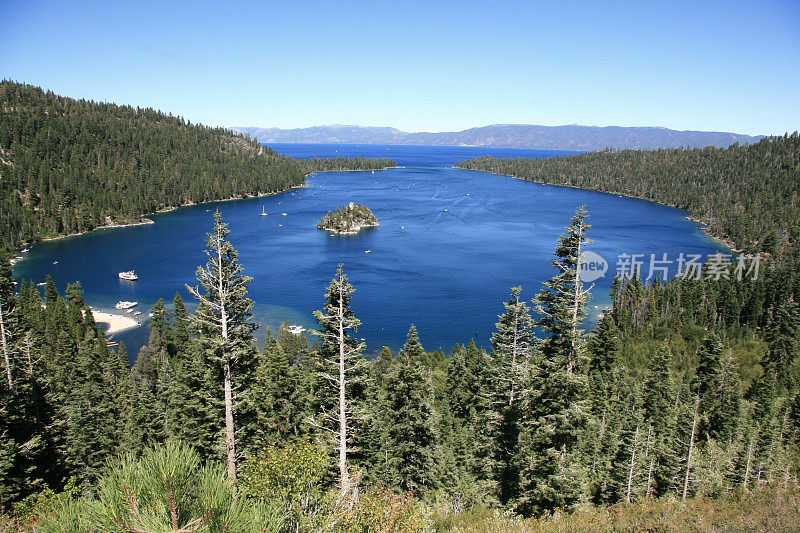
8	321
629	466
226	333
709	364
605	387
382	365
408	422
492	430
29	461
341	365
154	381
512	349
707	381
658	394
512	345
604	346
782	333
180	324
274	398
196	404
725	414
168	488
295	346
92	409
554	475
460	386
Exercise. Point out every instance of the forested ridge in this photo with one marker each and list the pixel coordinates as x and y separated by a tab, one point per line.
70	166
748	195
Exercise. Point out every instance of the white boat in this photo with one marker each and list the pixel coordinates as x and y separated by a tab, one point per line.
284	214
367	251
124	304
296	330
263	213
130	275
137	313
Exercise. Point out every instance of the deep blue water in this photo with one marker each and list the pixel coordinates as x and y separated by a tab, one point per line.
450	245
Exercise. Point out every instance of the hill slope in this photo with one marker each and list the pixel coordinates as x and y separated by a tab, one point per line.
69	166
509	136
745	194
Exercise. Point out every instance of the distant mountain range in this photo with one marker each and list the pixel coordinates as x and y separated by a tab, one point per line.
571	137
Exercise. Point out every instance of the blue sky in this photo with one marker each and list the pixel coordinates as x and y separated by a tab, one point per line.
420	66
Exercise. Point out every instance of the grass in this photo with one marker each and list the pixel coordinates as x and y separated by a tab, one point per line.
767	509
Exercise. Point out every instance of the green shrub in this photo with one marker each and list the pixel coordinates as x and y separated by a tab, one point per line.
293	478
166	490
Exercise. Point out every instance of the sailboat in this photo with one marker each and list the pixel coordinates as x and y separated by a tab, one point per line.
263	213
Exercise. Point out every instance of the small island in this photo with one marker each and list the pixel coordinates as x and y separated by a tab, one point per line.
348	219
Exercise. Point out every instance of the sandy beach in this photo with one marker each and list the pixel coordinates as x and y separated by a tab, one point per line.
115	323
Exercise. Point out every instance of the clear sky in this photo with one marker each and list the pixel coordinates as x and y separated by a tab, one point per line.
420	66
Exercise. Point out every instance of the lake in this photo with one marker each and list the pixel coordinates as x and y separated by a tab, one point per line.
450	245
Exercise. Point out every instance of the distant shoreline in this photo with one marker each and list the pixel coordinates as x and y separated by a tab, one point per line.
145	221
706	230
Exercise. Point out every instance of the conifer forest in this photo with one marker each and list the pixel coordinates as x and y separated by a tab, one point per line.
684	398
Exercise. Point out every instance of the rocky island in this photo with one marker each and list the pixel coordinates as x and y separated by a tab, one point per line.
348	219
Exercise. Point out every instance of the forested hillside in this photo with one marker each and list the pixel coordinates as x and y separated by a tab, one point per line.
748	195
685	390
69	166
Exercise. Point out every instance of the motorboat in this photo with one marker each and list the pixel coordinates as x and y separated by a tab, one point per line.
130	275
124	304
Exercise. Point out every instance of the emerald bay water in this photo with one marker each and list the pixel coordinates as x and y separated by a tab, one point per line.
450	245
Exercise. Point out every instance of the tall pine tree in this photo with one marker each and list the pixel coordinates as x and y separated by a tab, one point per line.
554	475
226	333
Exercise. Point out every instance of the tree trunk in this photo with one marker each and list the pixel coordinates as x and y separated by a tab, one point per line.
514	357
6	353
650	469
344	475
632	466
747	467
647	453
691	448
230	432
576	301
230	436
